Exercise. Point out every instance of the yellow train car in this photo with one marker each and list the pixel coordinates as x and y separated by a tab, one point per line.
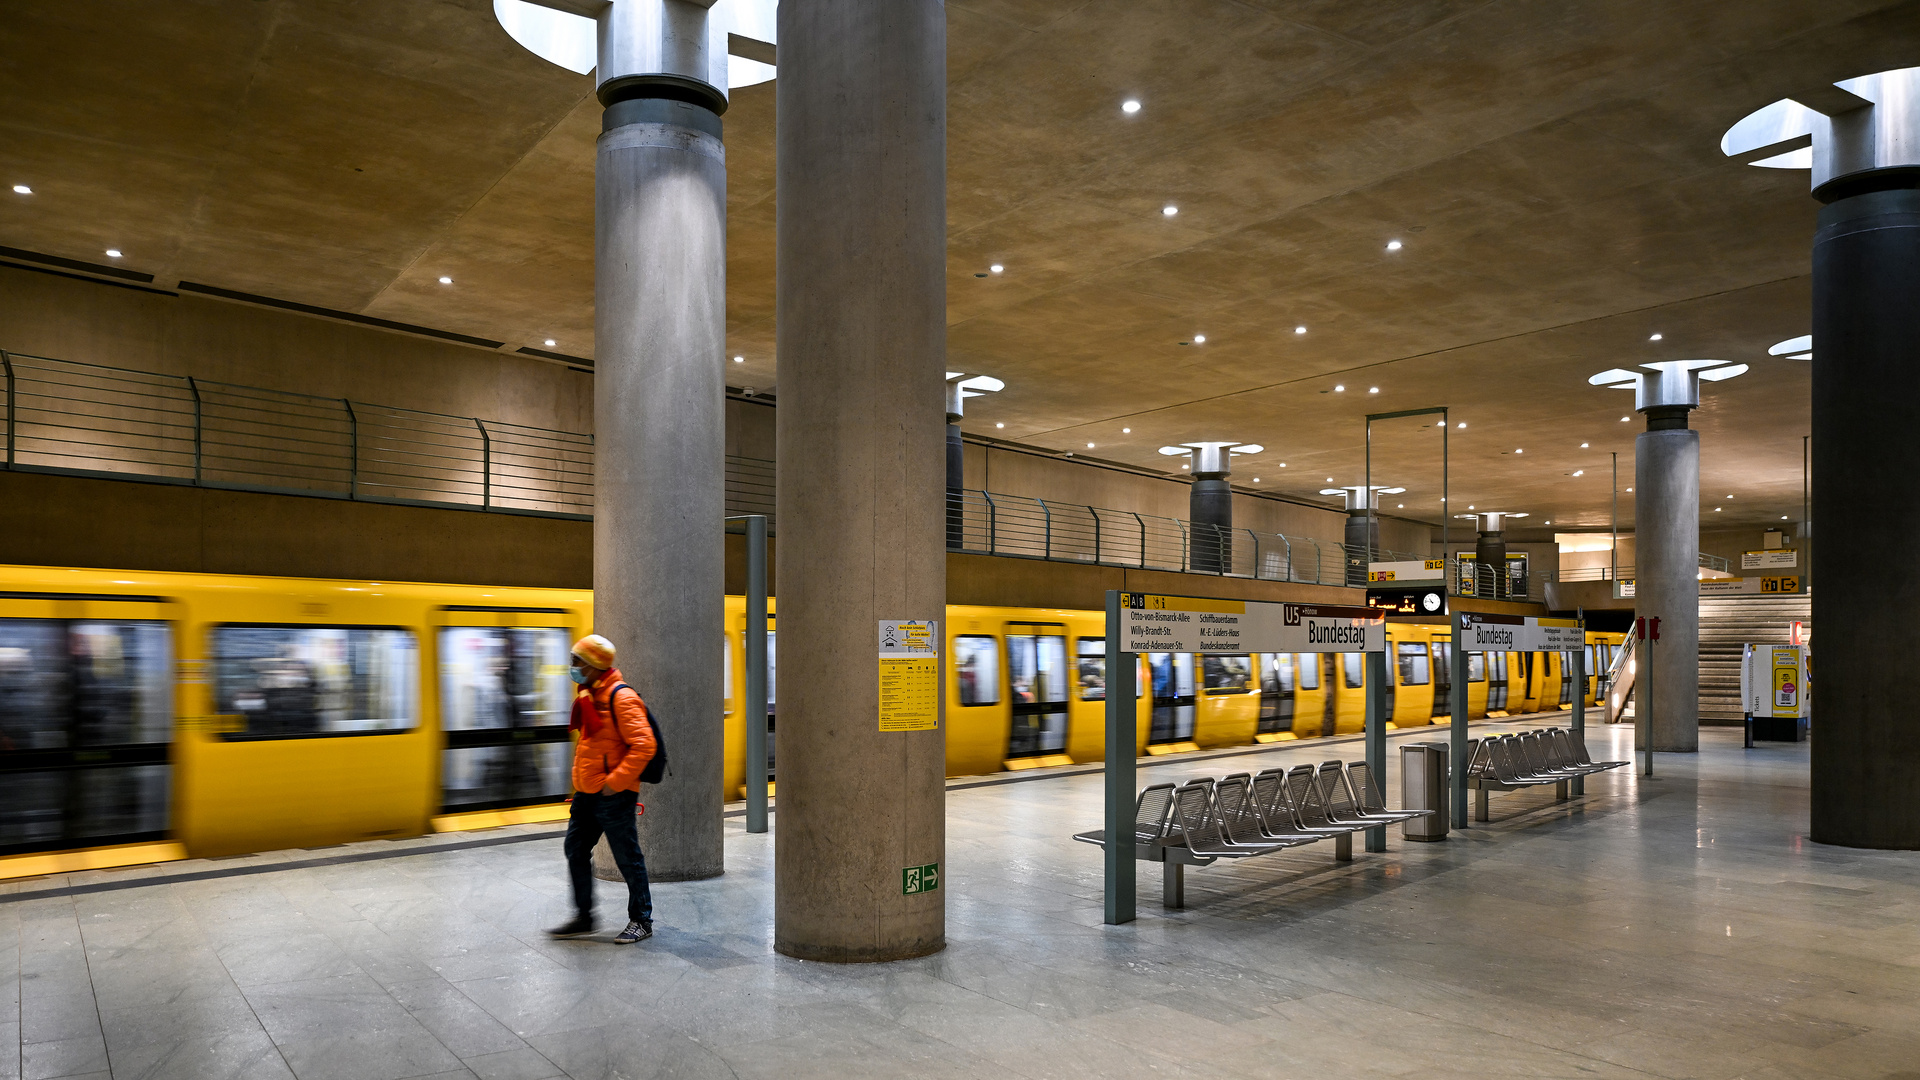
225	714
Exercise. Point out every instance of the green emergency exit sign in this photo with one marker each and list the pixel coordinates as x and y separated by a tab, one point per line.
919	879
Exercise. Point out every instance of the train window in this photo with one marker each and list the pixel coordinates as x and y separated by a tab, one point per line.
1476	667
1309	670
1413	663
1226	674
1276	673
1036	667
505	701
1589	659
86	711
976	667
297	681
1353	664
1090	667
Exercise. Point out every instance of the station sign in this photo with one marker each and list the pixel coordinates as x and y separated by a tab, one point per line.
1770	559
1519	633
1154	623
1411	570
1749	586
1414	600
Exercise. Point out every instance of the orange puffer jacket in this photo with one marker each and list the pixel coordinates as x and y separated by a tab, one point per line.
615	739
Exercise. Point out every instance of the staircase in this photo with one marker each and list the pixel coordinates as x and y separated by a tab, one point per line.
1726	624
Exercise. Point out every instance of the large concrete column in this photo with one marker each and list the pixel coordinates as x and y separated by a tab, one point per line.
861	259
1865	136
1210	509
1666	537
660	455
1362	538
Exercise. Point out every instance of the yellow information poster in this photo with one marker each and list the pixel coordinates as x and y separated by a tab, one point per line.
909	694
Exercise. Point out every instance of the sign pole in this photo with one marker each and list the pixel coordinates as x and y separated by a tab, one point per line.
1377	738
1121	770
1579	785
1457	663
753	711
1646	702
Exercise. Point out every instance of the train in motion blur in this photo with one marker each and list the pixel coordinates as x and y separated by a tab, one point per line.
228	714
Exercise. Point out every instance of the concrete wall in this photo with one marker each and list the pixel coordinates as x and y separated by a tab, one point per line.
69	319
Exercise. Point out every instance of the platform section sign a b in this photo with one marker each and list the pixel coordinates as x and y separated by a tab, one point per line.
1154	623
1519	633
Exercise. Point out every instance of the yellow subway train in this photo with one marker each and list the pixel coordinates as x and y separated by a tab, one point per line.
218	714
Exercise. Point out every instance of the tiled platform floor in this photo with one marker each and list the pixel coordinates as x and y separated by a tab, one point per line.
1677	927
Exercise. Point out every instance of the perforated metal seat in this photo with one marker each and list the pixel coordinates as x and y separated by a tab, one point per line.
1241	821
1150	819
1371	802
1309	807
1196	815
1343	808
1579	743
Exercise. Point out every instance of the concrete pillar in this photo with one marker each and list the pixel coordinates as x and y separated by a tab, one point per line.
1490	563
1866	747
1363	543
861	261
1865	136
1666	536
1210	507
660	455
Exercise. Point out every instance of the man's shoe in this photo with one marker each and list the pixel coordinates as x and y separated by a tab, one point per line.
578	926
635	931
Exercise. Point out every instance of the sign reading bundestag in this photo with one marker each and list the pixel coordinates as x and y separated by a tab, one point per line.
1519	633
1153	623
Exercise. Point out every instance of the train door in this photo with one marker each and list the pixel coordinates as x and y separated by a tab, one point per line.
977	717
1566	679
1443	677
1496	666
1352	714
1389	694
1087	731
1416	681
1276	693
1311	693
1037	688
1529	696
1476	687
505	704
1329	679
772	668
86	717
1230	714
1173	698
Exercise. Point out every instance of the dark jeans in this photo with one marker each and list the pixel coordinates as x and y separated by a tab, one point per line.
610	814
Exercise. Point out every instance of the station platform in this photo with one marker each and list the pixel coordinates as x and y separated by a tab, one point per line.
1679	926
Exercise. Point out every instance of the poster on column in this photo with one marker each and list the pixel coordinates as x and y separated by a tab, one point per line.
909	675
1519	633
1194	624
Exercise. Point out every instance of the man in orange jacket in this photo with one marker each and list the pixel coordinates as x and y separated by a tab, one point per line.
615	743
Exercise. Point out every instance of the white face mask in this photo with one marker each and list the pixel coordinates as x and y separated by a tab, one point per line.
579	675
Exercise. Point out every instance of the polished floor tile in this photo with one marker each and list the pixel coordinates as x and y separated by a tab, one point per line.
1678	926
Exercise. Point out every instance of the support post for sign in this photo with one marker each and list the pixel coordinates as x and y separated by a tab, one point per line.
753	711
1580	698
1121	770
1377	737
1457	662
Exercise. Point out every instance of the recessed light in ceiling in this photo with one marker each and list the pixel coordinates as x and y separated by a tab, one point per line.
1183	466
113	253
1624	419
1126	431
22	189
1169	210
1089	446
1519	451
1716	509
1256	479
1583	446
551	343
1129	106
1329	479
444	280
1373	389
1403	506
1629	489
1339	388
1283	464
1579	472
999	425
1299	329
1656	337
1783	517
996	268
1199	339
1393	245
739	359
1461	424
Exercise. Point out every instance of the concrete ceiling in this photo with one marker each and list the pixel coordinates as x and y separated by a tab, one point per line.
1551	170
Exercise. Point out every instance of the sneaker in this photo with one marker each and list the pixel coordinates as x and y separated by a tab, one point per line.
635	931
578	926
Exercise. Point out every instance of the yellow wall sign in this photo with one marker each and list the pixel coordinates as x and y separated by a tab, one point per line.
909	694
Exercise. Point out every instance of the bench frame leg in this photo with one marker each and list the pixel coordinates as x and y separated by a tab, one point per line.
1560	791
1480	804
1173	885
1377	839
1343	847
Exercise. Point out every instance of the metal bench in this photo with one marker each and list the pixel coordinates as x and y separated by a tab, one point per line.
1528	759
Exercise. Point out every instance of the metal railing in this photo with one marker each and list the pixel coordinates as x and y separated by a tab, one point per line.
989	523
1625	573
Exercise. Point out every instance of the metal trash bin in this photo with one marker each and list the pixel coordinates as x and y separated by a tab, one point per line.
1423	786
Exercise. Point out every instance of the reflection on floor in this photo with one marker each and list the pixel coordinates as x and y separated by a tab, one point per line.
1681	926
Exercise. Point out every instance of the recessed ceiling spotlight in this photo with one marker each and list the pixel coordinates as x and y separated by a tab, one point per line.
1183	466
1729	496
739	359
1403	506
1579	472
1199	339
113	253
1329	479
999	425
1461	424
1629	489
22	189
1126	431
1089	446
1129	106
1256	479
1393	245
1783	517
996	268
1283	464
1716	509
1299	329
1169	209
1469	506
444	280
551	343
1519	451
1373	389
1656	337
1583	446
1624	419
1339	388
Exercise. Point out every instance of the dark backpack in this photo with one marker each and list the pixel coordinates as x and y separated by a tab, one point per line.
656	769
